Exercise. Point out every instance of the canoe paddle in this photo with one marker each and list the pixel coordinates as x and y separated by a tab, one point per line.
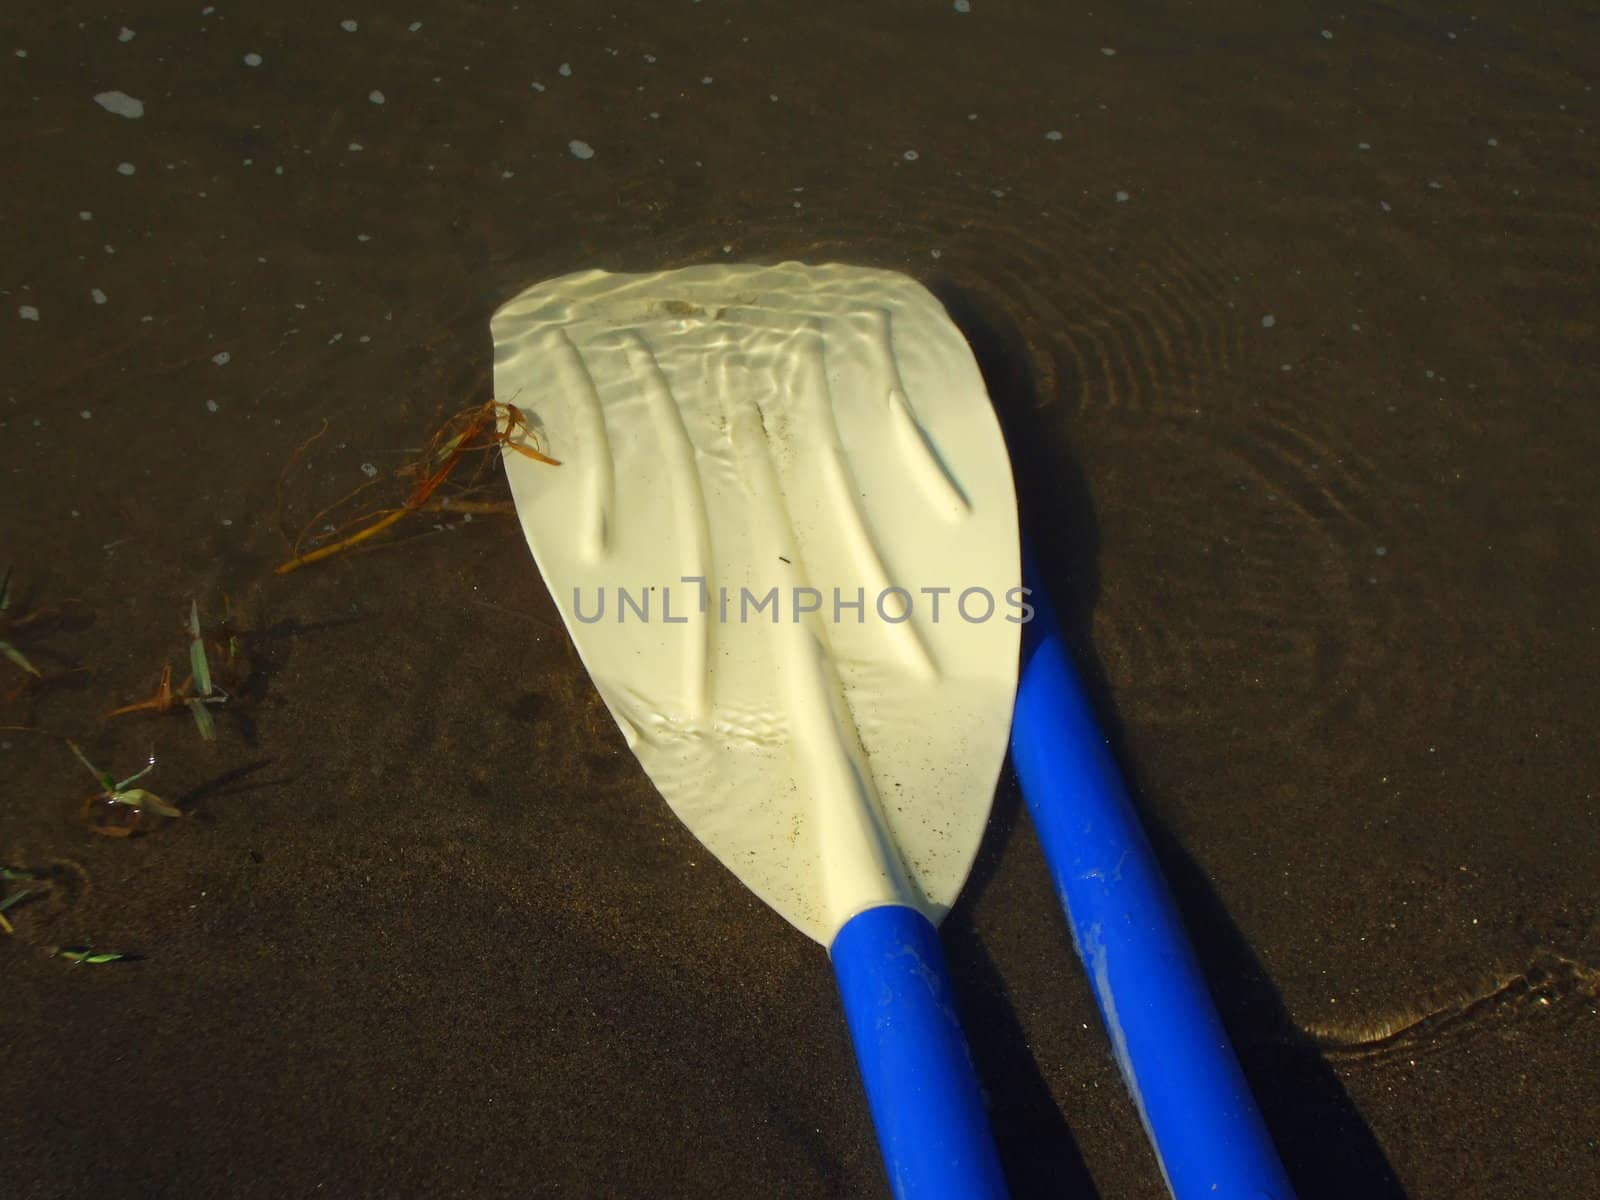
784	541
785	544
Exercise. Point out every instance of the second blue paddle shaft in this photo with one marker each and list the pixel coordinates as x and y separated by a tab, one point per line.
1169	1042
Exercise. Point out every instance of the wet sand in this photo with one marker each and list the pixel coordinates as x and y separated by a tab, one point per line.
1293	332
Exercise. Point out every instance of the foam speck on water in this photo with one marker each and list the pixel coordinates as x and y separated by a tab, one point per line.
580	149
1107	51
911	156
1053	135
706	79
963	6
1122	197
414	26
538	87
125	34
1327	35
211	406
97	295
27	312
222	358
1268	321
22	54
357	146
121	103
252	59
125	168
375	96
565	69
348	25
86	215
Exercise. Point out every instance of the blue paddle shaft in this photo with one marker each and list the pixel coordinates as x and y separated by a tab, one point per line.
921	1086
1169	1042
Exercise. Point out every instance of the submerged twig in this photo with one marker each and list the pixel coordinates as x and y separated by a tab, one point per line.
482	427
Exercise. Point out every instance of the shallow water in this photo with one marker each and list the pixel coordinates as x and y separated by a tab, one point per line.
1293	332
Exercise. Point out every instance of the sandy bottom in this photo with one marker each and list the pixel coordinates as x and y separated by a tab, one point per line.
1293	334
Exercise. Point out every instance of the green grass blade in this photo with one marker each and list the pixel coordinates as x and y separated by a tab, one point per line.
202	719
18	657
103	778
197	653
139	798
87	954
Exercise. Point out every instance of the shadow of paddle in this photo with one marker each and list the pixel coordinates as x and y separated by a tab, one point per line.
1037	1150
1327	1147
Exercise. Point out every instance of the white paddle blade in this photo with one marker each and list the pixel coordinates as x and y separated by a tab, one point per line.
784	539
